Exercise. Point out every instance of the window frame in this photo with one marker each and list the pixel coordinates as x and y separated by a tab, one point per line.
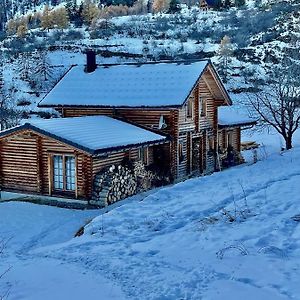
65	173
203	107
189	108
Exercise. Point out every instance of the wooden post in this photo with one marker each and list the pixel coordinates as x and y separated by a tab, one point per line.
39	164
50	174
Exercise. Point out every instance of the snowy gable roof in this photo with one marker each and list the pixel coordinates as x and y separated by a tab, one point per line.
228	116
128	85
93	134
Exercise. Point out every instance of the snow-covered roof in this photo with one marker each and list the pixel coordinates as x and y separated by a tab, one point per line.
228	116
128	85
94	134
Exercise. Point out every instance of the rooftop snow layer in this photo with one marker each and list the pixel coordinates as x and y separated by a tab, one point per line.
161	84
228	116
96	132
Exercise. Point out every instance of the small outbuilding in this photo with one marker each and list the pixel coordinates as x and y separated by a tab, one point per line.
60	157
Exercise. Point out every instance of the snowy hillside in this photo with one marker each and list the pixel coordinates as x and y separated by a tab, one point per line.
231	235
255	43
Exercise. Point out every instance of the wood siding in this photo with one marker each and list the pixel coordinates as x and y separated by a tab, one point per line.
25	164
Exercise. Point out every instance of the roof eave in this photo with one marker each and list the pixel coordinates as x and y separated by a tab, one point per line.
239	124
104	151
92	152
173	106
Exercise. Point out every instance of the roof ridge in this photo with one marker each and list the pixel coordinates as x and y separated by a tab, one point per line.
179	62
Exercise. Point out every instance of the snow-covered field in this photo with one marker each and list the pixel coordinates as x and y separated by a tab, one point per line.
229	235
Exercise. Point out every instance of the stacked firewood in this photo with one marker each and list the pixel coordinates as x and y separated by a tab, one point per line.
119	182
113	184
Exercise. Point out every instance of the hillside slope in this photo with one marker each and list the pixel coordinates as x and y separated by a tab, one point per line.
230	235
257	42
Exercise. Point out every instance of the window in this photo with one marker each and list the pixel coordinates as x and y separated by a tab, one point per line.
202	105
58	172
143	155
64	172
189	109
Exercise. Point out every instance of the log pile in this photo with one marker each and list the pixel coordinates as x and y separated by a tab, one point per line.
118	182
113	184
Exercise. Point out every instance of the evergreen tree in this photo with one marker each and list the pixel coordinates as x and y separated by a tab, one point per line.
90	12
174	6
240	3
25	66
43	72
61	18
227	4
218	4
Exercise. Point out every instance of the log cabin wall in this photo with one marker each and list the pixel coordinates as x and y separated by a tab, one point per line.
19	162
236	138
25	164
201	124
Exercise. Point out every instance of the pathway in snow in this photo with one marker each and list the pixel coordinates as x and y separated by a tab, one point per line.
29	226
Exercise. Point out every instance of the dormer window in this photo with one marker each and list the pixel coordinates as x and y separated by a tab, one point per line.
189	109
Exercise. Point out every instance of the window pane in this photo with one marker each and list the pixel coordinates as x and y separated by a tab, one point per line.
58	172
70	173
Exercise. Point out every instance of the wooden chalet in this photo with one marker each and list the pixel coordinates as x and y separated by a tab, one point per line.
182	107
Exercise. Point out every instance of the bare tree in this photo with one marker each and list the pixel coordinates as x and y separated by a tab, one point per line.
278	104
9	114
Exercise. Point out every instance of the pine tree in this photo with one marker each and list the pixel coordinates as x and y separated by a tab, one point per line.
218	4
174	6
47	19
61	18
225	53
90	12
25	66
240	3
43	71
227	3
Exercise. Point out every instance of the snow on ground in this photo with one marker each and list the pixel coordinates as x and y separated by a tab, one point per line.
225	236
28	226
